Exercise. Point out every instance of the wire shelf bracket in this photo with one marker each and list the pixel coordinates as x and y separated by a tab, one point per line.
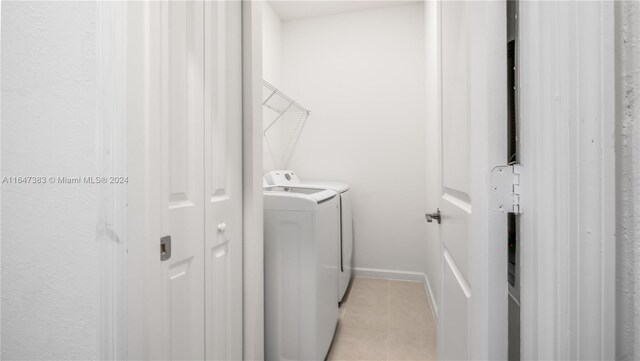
284	106
284	120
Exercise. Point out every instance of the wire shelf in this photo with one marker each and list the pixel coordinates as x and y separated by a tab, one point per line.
281	104
284	120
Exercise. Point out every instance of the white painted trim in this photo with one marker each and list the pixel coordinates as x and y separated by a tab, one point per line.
627	29
252	214
144	327
465	206
567	131
432	299
111	149
388	274
433	272
394	275
462	282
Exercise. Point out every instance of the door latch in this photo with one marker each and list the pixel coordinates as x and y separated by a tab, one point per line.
436	215
165	248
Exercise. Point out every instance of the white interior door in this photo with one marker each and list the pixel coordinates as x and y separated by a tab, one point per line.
472	310
181	150
193	135
223	179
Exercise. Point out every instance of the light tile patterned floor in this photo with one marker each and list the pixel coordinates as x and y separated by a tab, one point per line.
385	320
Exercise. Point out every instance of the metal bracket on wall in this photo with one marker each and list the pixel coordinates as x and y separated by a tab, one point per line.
505	189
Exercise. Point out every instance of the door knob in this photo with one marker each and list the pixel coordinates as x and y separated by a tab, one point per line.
431	216
222	227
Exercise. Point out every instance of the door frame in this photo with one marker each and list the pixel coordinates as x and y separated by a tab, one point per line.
143	205
568	180
111	154
252	198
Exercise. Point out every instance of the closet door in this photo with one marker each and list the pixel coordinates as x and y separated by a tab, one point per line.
181	176
223	179
187	262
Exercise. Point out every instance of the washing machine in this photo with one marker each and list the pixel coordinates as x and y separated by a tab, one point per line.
345	219
300	266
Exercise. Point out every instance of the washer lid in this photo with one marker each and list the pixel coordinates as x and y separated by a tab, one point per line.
288	177
338	187
317	195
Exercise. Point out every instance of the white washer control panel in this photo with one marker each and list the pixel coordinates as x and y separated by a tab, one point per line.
281	177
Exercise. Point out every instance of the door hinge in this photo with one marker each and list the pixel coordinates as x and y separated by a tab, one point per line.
505	189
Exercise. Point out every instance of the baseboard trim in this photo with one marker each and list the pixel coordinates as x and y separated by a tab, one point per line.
401	276
389	274
432	299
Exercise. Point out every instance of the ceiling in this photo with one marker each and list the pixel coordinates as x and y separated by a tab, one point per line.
301	9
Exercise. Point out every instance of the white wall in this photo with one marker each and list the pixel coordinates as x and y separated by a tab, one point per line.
271	45
362	75
271	72
628	180
50	286
433	156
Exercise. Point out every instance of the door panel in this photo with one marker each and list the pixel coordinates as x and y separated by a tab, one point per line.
472	324
456	292
455	139
455	233
189	106
455	202
223	179
181	147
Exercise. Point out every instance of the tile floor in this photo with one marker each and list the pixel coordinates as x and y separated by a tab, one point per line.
385	320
